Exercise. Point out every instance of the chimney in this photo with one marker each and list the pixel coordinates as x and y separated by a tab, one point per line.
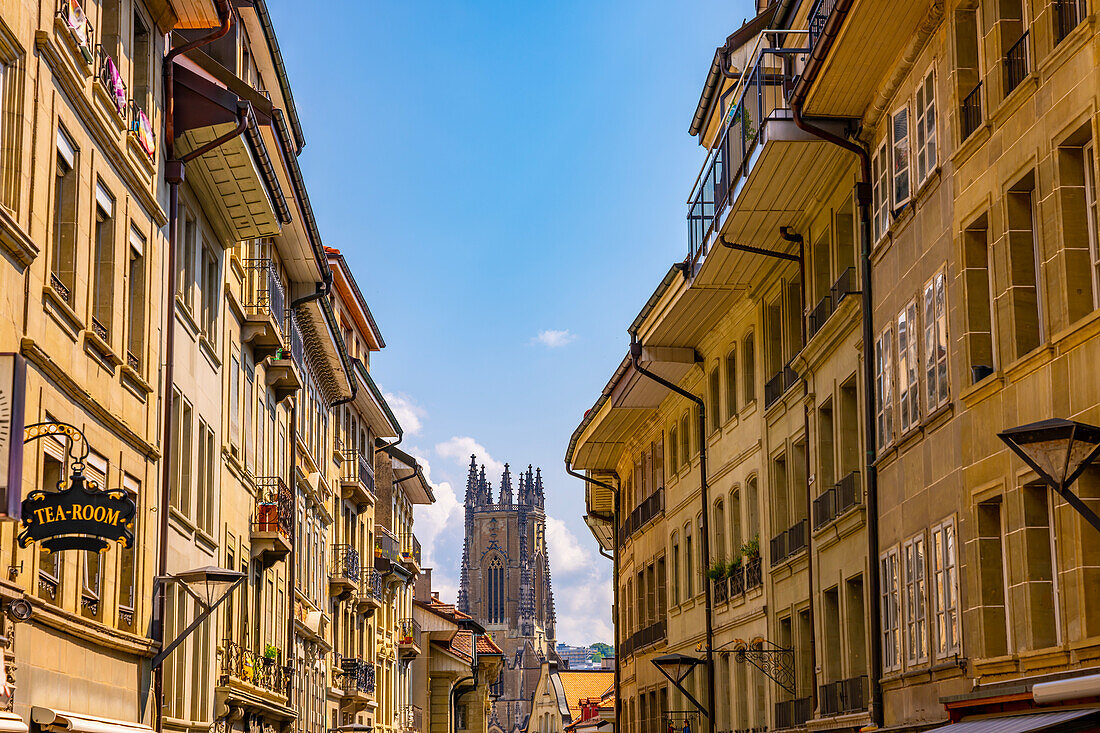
423	589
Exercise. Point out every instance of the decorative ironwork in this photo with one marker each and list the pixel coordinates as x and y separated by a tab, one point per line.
345	563
48	585
274	507
89	603
412	718
61	288
819	16
819	315
111	79
771	659
126	616
265	671
1068	14
754	574
1017	63
263	292
971	111
837	500
408	632
356	468
410	548
789	542
355	675
99	329
133	361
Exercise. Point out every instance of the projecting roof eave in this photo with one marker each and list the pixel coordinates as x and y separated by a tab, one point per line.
372	404
405	467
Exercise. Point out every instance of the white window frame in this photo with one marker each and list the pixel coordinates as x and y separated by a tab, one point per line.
908	368
880	183
901	159
884	396
925	105
890	610
945	588
916	600
1092	213
936	367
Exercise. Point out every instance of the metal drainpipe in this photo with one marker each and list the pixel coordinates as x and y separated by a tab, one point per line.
614	558
173	177
708	610
863	198
787	235
291	575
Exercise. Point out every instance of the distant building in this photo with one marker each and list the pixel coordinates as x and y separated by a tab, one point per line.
563	699
577	657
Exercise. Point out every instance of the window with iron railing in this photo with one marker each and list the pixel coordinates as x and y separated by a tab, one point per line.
1017	62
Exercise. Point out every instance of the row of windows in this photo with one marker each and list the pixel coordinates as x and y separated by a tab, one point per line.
920	598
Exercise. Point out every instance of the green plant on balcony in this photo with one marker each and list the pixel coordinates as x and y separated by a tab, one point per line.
751	548
733	567
271	653
717	571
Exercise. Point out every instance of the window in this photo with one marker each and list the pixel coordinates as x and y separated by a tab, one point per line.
181	494
926	127
714	403
1068	14
63	261
880	191
135	307
496	589
748	371
884	398
685	439
996	641
890	609
916	618
186	254
945	593
127	572
103	275
675	569
673	449
211	291
1092	210
731	383
142	55
935	342
900	137
908	366
1022	268
968	72
979	311
207	466
688	582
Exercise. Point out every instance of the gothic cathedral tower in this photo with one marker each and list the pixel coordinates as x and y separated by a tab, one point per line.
505	585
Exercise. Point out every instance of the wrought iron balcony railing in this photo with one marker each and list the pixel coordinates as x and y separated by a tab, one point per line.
410	548
408	632
274	507
263	290
1017	63
650	507
844	286
754	574
1068	14
843	696
354	676
761	94
265	671
72	15
386	546
789	542
370	586
354	466
108	74
970	112
793	713
345	564
819	315
819	16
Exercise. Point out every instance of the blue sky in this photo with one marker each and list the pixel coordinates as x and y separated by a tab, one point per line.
494	171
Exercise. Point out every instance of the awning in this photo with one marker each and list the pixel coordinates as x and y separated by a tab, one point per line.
63	720
1051	721
11	723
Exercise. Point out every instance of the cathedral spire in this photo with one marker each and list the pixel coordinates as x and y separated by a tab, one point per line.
471	481
539	498
506	486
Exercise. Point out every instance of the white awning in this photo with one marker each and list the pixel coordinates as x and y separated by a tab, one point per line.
11	723
63	720
1027	723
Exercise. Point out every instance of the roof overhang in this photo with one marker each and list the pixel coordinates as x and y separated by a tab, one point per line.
408	474
184	14
373	406
63	720
324	348
348	290
236	179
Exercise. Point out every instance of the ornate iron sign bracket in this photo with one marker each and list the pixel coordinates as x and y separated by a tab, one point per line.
773	660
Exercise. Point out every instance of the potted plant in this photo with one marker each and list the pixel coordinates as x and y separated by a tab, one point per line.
733	567
271	653
717	571
751	548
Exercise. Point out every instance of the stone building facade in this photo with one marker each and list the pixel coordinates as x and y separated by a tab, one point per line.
505	584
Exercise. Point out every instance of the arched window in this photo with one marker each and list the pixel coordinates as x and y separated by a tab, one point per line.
736	540
675	542
496	590
688	593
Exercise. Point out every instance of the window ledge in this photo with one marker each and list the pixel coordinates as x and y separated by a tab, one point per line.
1015	99
100	350
184	316
1081	331
132	380
968	146
983	390
930	184
144	162
62	313
1032	361
208	351
1076	40
15	241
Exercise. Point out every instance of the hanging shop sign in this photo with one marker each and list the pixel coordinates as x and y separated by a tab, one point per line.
13	378
78	517
77	514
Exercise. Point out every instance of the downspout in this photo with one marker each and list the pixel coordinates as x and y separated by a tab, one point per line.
173	177
291	575
863	200
787	235
614	558
708	610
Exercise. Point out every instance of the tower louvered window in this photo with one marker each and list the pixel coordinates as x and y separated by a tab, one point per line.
496	591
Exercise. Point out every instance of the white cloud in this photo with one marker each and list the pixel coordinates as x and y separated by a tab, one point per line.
554	339
409	414
566	554
434	525
461	447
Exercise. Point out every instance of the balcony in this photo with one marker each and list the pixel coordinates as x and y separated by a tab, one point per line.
853	49
412	718
355	678
246	670
837	500
793	713
789	542
1017	63
71	18
369	598
111	86
410	552
643	638
408	638
754	574
264	307
758	152
844	696
1068	14
778	385
273	524
387	554
356	479
343	577
650	507
284	371
970	111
